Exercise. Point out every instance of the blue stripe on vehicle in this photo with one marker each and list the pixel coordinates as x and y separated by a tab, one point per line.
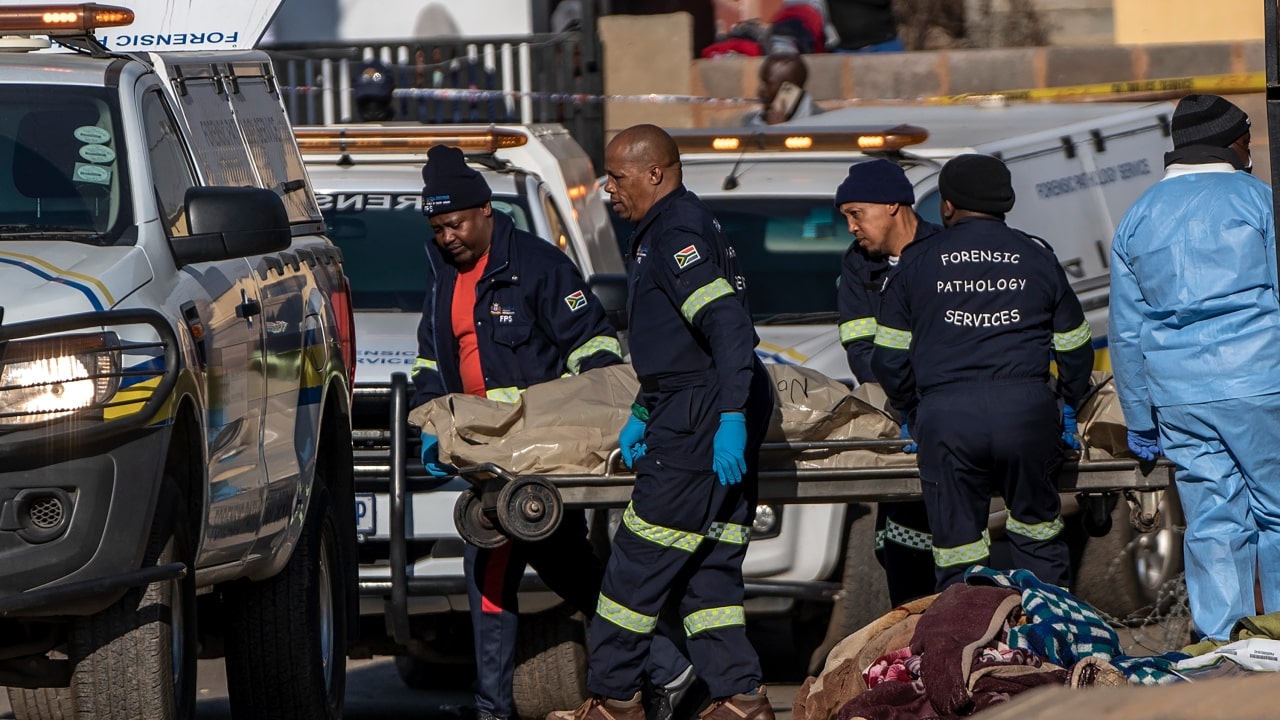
93	297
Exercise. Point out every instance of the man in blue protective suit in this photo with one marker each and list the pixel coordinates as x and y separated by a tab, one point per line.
1195	347
966	325
693	439
506	310
876	199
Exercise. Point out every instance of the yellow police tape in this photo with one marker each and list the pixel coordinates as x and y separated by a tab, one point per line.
1217	84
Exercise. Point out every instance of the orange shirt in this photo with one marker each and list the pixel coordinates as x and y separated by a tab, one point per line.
464	327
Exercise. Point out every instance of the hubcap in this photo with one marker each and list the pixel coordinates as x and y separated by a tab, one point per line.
324	586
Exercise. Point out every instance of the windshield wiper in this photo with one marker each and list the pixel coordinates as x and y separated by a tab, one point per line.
811	318
28	230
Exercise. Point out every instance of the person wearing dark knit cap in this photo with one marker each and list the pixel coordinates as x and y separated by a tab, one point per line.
966	324
1194	336
505	310
876	198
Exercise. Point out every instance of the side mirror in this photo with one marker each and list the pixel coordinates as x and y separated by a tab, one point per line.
232	222
611	289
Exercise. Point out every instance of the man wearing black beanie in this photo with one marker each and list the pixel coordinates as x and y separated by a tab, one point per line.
965	326
1195	346
505	310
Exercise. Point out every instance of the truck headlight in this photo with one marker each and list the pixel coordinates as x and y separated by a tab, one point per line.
50	378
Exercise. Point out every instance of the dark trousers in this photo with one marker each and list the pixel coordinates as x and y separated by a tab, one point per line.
684	537
904	549
976	437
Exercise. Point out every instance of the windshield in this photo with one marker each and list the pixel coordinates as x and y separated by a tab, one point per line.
382	245
62	168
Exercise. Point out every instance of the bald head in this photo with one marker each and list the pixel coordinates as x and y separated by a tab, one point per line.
780	67
642	166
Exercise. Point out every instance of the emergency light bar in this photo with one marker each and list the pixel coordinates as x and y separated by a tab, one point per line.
61	19
401	140
796	140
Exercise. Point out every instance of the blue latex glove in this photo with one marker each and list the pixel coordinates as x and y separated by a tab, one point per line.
730	446
431	457
631	440
1069	428
1145	444
910	447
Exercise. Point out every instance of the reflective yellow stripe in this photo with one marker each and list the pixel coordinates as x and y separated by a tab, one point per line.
893	338
1035	531
131	398
506	394
599	343
424	364
703	296
857	328
625	617
729	533
907	537
880	540
963	555
666	537
1062	342
712	618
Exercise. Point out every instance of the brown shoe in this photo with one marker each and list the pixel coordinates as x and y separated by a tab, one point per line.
740	707
603	709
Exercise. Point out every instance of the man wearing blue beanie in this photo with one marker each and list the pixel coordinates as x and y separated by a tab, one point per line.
876	200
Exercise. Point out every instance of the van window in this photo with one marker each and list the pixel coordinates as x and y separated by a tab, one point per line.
558	230
929	207
62	164
382	245
170	169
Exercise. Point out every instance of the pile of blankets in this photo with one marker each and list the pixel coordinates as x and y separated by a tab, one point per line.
970	647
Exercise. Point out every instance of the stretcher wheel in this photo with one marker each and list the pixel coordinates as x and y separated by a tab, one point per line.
529	508
473	525
1143	524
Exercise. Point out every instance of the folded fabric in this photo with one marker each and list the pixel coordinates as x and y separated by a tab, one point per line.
891	700
1255	653
898	665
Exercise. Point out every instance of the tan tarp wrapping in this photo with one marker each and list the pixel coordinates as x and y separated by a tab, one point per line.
570	425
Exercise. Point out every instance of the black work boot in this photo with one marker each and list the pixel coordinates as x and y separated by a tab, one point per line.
680	699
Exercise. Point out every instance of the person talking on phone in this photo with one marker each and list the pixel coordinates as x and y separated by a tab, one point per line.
781	91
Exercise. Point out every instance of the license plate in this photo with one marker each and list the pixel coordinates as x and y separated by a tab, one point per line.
366	522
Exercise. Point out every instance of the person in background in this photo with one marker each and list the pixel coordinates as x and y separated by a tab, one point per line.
781	91
876	200
865	26
1195	346
505	310
966	325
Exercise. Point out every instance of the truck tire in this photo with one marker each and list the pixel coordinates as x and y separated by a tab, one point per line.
864	593
286	635
42	704
551	663
1128	575
137	658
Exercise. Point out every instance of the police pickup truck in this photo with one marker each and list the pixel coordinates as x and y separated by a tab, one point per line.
176	362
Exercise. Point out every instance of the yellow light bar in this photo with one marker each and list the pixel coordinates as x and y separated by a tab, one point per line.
404	140
882	139
61	19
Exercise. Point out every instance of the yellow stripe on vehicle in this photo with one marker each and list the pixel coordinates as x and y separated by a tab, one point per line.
132	399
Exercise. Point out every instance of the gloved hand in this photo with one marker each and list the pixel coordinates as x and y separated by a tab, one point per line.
1145	444
910	447
431	457
730	446
1069	428
631	440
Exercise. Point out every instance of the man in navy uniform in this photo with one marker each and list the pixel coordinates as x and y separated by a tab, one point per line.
966	326
505	310
693	439
876	200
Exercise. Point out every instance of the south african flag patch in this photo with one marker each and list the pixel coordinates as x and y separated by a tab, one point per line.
576	300
687	257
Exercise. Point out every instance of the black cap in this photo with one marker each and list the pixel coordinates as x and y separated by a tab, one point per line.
980	183
450	184
1207	120
876	181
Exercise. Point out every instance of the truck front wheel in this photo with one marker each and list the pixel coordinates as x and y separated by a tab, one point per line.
551	663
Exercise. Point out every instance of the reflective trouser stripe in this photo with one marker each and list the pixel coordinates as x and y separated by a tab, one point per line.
905	536
729	533
625	617
963	555
506	394
893	338
857	328
1072	339
599	343
683	539
880	539
421	364
703	297
712	618
1036	531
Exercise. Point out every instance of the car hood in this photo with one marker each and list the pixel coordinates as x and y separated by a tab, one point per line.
816	347
50	279
386	343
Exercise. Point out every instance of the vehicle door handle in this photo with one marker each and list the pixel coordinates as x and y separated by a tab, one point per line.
248	306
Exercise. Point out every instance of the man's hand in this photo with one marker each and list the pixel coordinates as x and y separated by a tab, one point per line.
631	440
431	457
730	446
1069	428
1145	444
910	448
